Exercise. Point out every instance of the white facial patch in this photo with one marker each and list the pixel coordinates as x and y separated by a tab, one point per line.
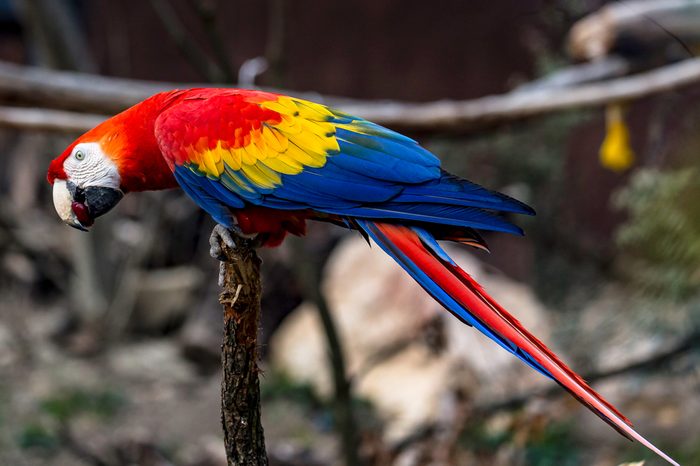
87	165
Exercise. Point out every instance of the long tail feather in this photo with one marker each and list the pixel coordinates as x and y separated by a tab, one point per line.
420	255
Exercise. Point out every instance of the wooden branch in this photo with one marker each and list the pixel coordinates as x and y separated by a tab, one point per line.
638	25
68	90
240	388
109	95
463	116
574	75
42	119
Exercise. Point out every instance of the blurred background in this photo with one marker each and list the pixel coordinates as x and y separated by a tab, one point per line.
587	110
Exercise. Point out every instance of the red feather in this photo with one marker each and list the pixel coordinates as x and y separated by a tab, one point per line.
463	289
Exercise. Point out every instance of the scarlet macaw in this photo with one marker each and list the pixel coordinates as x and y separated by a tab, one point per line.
263	163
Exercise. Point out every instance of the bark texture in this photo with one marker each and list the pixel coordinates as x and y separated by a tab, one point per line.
240	389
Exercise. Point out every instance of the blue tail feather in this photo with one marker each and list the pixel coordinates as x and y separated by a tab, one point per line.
441	295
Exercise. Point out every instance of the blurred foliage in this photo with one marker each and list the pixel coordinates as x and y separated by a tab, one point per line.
689	455
276	385
50	429
660	242
553	445
63	407
481	438
38	437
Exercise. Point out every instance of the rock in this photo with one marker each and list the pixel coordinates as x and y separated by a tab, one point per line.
383	317
298	349
164	297
157	361
407	389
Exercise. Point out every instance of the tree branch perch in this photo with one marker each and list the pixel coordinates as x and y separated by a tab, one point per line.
240	388
69	90
44	119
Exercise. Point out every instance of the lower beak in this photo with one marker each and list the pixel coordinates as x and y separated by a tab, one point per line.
79	207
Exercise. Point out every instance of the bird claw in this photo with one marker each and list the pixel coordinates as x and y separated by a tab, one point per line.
221	234
222	274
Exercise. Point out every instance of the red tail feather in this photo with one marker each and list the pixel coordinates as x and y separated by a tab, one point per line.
463	289
579	383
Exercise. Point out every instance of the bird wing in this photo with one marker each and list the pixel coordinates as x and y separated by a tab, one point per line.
229	148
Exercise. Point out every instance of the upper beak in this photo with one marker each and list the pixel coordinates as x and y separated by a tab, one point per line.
79	207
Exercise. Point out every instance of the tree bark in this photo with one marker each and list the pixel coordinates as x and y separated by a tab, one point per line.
240	388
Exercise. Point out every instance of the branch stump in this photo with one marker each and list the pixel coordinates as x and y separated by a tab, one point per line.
240	388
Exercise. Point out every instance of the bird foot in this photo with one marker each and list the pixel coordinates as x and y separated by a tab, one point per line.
229	237
220	234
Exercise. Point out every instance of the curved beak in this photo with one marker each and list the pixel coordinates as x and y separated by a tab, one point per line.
79	207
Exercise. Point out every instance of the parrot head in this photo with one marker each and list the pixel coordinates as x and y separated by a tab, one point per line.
86	184
118	156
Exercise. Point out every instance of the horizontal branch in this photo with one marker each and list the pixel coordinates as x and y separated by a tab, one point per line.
68	90
42	119
83	92
460	116
650	26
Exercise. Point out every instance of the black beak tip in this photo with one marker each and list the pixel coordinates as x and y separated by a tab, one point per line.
78	226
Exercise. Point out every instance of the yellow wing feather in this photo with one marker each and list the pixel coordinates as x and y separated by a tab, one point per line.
303	138
231	158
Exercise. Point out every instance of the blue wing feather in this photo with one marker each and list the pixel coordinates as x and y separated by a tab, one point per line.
195	186
376	173
449	189
378	165
458	216
408	151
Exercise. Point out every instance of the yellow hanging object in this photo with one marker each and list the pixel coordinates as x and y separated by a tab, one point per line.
616	153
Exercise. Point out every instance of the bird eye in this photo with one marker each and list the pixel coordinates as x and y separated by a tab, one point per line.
79	155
